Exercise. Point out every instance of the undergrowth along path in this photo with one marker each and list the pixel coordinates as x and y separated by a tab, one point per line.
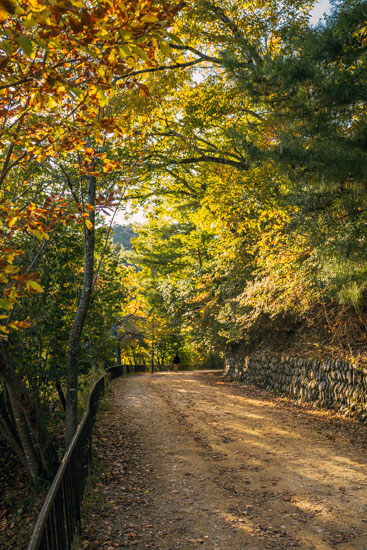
192	460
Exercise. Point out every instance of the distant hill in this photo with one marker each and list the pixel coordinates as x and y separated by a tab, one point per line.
122	235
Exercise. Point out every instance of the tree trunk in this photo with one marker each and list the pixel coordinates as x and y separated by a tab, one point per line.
32	459
61	395
118	353
9	434
79	320
22	401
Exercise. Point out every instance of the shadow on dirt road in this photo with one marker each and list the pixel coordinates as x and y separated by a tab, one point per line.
192	460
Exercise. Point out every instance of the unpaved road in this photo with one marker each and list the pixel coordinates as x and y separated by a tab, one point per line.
192	460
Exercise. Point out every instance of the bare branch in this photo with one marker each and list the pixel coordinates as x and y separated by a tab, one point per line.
220	13
18	83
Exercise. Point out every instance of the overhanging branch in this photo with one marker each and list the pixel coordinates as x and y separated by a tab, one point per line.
160	68
239	165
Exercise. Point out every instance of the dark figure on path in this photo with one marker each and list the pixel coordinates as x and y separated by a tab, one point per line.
176	362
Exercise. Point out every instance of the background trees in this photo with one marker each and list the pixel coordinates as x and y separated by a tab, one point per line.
260	147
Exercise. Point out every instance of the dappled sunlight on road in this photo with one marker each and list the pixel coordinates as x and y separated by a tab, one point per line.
284	449
236	467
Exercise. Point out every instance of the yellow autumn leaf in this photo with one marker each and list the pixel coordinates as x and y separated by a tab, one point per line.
112	56
11	269
3	15
38	234
89	224
140	53
102	99
78	3
149	19
33	285
34	4
13	221
101	70
24	324
51	103
125	51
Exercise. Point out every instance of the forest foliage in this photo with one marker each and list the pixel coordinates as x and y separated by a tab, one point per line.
238	128
255	163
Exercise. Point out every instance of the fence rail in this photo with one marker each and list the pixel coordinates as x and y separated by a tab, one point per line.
59	519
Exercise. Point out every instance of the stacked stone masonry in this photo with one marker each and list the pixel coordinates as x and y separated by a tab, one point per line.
331	384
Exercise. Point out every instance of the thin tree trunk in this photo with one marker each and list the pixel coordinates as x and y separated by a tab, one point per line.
9	434
118	353
30	453
21	400
61	395
79	320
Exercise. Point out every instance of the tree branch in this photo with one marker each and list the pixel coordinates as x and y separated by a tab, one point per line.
201	55
160	68
192	192
239	165
219	12
213	148
70	185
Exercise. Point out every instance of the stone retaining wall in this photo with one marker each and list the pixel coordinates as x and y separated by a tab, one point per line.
330	384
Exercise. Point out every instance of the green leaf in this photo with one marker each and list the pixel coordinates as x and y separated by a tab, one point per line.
125	51
165	49
6	46
149	18
173	37
25	44
140	53
4	304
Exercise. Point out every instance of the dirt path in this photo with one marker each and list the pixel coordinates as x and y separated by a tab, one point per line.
194	461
